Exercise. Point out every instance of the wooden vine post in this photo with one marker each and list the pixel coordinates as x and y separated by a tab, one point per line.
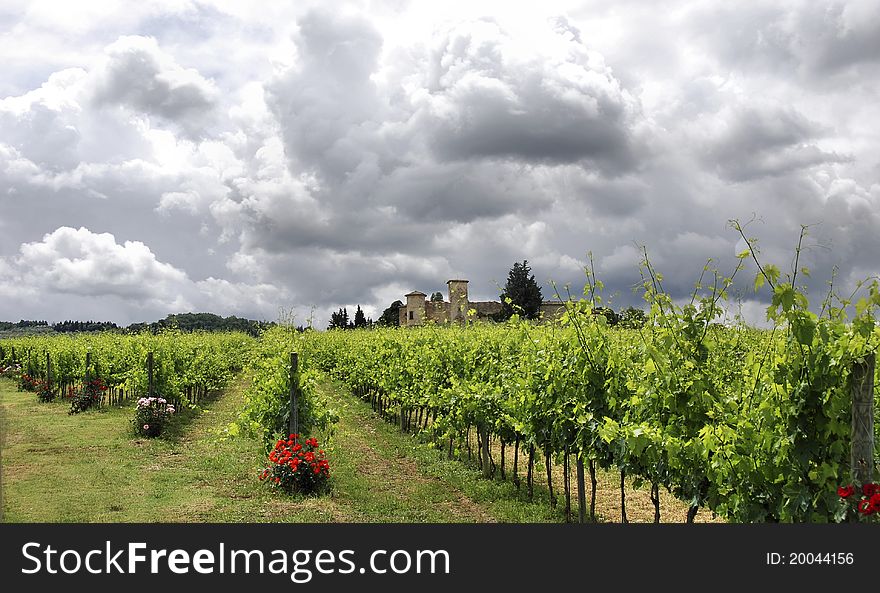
483	433
48	372
581	485
88	364
294	394
149	374
862	455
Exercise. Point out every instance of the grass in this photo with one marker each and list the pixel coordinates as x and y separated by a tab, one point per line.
91	467
406	468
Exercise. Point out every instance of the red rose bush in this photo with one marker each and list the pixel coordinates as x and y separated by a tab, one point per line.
297	466
866	503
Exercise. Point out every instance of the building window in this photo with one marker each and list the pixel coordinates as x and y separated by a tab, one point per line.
411	315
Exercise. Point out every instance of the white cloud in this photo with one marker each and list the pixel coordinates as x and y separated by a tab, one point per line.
83	266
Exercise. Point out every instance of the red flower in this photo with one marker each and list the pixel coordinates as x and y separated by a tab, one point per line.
870	489
865	507
846	492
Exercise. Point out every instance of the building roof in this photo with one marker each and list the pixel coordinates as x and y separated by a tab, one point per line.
416	293
448	281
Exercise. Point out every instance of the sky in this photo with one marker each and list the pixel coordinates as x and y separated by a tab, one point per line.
267	159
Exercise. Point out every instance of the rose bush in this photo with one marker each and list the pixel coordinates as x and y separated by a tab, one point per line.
27	382
863	503
151	416
44	391
297	466
39	386
88	396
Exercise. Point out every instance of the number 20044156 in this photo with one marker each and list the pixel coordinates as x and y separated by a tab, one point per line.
810	558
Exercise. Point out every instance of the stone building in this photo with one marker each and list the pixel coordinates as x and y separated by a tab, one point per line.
418	309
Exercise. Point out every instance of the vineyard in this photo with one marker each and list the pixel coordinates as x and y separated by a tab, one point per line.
734	421
752	425
187	366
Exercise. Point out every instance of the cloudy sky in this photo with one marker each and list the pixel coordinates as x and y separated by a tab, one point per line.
243	157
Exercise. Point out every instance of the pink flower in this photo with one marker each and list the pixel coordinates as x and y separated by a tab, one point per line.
146	427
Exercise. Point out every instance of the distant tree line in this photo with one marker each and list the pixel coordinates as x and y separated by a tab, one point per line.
339	320
83	326
189	322
4	325
186	322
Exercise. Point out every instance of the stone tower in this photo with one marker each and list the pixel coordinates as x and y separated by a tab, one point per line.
458	300
415	308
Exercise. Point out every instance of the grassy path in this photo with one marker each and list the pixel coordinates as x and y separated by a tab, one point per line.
91	468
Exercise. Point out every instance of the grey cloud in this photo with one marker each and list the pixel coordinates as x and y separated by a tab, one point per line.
331	278
761	141
544	109
461	192
813	40
278	227
139	76
833	37
616	198
747	35
323	101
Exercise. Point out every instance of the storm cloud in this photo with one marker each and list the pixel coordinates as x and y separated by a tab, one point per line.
215	157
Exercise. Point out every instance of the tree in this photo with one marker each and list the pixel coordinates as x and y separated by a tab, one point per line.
339	319
609	314
632	317
360	320
391	316
521	295
437	297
